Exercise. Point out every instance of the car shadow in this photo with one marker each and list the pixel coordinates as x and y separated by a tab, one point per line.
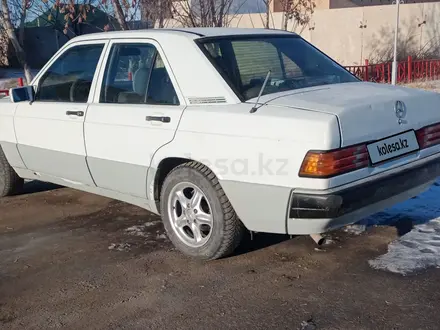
258	241
34	186
404	216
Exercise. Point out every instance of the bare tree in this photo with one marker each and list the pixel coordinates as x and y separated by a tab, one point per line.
156	12
267	4
3	48
298	10
203	13
119	13
25	5
7	26
69	16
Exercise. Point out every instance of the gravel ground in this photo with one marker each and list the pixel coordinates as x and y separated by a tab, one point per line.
79	261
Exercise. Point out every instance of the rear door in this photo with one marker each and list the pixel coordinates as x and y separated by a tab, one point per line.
50	132
136	110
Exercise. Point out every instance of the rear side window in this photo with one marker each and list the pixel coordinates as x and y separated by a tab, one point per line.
70	77
135	74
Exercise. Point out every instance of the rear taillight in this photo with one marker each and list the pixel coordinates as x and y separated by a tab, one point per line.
324	164
428	136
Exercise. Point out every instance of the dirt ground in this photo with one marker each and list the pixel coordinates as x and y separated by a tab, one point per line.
68	261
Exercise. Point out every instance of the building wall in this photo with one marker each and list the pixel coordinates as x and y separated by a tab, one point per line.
334	4
351	35
381	2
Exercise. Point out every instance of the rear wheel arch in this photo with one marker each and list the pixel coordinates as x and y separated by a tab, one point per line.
165	166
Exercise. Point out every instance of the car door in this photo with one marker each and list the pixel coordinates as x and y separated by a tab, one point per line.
50	130
136	110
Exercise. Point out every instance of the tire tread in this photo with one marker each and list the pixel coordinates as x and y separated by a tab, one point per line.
233	227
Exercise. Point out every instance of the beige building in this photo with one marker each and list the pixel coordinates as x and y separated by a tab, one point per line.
352	34
337	4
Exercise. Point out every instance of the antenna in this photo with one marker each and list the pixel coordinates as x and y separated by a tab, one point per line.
254	108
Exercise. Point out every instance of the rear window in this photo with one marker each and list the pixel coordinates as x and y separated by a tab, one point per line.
245	61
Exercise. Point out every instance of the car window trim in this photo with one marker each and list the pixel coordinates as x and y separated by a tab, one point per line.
44	73
61	51
153	63
111	57
201	44
158	49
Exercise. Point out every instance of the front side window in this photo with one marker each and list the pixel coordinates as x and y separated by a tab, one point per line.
135	74
70	77
293	63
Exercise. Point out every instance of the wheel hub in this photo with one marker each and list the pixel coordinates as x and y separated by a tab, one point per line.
190	214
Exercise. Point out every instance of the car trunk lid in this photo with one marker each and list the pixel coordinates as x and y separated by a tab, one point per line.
365	111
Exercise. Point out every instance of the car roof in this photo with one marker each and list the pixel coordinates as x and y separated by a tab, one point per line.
216	31
191	33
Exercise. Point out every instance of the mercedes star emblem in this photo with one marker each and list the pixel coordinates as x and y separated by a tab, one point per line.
400	110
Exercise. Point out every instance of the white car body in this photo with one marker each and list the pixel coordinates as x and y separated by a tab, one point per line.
112	150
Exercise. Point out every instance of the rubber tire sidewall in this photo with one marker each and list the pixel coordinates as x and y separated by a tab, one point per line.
10	182
214	244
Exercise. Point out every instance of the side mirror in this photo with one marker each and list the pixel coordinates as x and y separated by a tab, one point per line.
20	94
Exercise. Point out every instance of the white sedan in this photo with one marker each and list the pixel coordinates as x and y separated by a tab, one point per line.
218	131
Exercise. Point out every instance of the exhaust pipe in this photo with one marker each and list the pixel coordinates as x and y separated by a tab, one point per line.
318	238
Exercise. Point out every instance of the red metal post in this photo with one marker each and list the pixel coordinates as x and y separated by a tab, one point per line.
366	74
409	68
20	82
388	71
430	70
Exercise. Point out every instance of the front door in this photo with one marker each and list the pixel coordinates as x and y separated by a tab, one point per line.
50	131
136	110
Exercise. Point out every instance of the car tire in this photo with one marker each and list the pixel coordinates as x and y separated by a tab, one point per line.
226	230
10	182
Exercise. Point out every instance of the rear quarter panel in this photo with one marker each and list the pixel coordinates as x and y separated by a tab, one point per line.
256	157
266	147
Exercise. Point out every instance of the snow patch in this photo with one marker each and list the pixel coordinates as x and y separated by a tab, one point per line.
161	236
355	229
308	325
415	251
122	247
140	230
420	248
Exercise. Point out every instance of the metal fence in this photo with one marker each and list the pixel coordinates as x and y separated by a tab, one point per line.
407	71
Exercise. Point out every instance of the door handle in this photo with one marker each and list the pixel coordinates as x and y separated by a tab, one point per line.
158	118
75	113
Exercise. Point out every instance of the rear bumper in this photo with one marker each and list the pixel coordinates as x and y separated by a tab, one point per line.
340	203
